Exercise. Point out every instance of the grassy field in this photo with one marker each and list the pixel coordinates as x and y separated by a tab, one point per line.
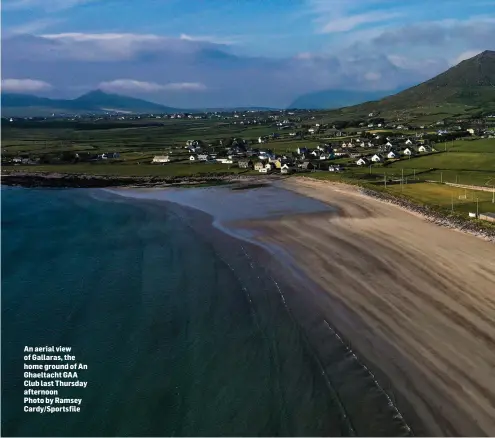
445	196
450	161
484	145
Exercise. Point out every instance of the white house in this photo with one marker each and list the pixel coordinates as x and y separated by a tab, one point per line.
409	142
470	130
424	148
334	168
408	152
391	155
286	169
362	162
388	144
161	159
267	168
203	157
376	158
192	158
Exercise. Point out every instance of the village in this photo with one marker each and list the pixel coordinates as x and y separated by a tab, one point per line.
274	154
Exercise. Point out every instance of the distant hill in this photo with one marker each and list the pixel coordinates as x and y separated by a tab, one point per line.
97	101
470	83
331	99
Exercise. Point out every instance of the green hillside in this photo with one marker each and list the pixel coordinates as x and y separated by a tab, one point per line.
466	87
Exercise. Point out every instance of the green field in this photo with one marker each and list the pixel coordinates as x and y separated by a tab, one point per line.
446	197
481	145
450	161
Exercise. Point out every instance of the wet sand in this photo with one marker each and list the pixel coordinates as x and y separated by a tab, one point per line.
416	300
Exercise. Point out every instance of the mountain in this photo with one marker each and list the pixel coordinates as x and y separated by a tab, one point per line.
116	102
331	99
93	102
469	83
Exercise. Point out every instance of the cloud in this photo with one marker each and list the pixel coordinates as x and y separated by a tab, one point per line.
23	85
211	39
476	31
344	24
132	85
30	27
47	5
113	46
85	61
338	16
372	76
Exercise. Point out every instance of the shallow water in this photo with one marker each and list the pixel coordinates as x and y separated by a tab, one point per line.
183	330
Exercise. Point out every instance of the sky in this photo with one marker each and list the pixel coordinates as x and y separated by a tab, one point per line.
197	53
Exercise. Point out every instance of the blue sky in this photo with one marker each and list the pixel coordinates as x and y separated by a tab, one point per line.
234	52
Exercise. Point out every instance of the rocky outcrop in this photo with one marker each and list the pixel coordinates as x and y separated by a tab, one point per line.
41	179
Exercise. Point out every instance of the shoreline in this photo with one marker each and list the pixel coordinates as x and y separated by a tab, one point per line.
62	180
67	180
337	362
427	213
412	299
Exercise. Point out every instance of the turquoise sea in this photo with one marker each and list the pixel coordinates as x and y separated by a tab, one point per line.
183	329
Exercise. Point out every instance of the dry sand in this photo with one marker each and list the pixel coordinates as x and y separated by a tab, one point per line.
415	299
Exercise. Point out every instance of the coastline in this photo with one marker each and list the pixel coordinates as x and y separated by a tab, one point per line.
365	406
410	297
66	180
401	298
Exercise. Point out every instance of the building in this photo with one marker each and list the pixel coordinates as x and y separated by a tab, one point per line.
334	168
362	162
246	164
267	168
307	165
408	151
392	155
203	157
286	169
258	166
424	148
377	158
161	159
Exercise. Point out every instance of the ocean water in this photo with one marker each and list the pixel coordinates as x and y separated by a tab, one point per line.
183	331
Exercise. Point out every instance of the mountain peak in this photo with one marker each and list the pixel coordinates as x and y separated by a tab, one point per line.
487	54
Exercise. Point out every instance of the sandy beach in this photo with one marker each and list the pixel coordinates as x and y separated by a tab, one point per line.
416	300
